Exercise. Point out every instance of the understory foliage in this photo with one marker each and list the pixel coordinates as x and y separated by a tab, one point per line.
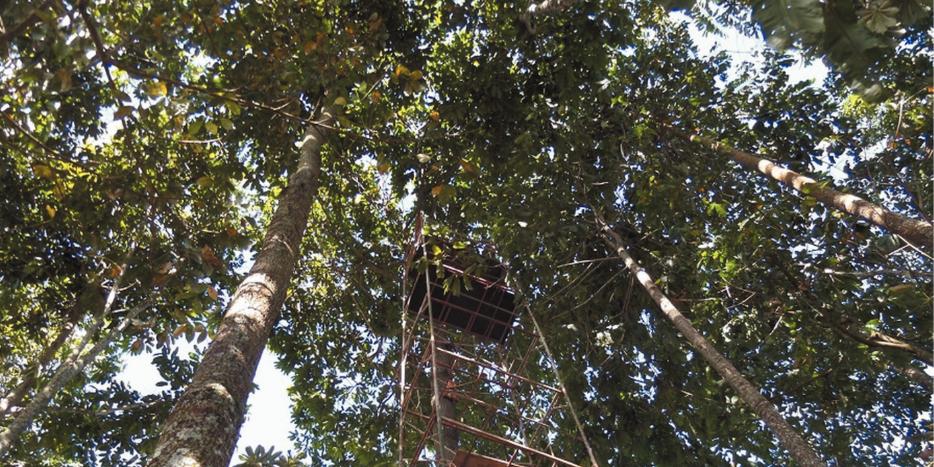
143	146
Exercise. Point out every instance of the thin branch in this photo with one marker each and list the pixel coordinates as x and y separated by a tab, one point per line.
841	326
199	141
605	284
885	342
913	247
573	263
898	126
35	139
25	23
98	43
877	272
134	71
587	272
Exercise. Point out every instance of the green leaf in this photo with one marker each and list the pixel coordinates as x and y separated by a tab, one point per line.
232	107
195	127
716	209
43	171
156	89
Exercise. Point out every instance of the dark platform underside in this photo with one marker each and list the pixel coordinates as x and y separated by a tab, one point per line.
487	310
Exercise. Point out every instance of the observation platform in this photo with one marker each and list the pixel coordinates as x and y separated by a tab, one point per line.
487	309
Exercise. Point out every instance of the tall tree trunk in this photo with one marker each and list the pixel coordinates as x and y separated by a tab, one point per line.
799	449
918	232
65	373
204	425
14	398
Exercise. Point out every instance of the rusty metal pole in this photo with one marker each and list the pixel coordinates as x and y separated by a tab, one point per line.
450	437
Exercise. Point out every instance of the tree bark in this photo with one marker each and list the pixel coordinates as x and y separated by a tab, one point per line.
65	373
204	425
917	376
799	449
918	232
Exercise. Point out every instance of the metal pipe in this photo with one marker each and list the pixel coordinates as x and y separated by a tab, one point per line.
498	370
504	441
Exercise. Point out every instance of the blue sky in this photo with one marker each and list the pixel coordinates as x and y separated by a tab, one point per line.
268	420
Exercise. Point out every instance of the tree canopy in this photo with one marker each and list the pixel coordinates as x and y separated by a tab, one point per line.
145	148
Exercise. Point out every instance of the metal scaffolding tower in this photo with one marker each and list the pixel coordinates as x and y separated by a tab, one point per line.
472	366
